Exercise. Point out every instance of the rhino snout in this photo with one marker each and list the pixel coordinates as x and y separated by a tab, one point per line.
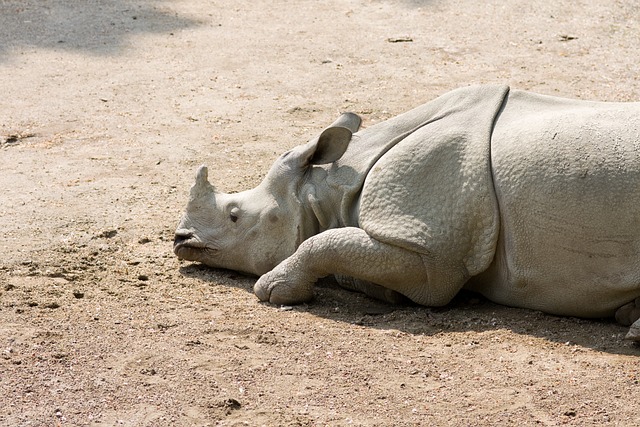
182	236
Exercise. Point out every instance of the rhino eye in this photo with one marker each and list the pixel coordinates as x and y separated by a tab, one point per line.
233	215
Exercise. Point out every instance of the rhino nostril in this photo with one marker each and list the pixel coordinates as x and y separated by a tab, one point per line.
181	236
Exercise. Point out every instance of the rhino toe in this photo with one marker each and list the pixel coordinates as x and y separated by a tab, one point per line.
262	292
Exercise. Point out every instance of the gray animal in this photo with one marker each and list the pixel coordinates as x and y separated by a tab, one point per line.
531	200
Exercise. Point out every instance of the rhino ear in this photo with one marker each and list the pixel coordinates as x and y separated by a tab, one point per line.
333	141
350	121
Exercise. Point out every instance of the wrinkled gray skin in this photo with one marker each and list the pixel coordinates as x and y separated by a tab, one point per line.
532	201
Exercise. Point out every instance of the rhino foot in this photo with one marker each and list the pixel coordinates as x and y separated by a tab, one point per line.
629	315
634	332
280	286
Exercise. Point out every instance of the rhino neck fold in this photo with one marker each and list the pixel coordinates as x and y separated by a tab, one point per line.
318	214
320	206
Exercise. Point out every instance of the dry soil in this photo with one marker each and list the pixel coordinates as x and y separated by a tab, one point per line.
106	109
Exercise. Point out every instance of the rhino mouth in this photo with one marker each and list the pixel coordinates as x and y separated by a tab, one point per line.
185	250
187	246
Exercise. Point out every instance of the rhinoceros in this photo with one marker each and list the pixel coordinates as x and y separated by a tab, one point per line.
531	200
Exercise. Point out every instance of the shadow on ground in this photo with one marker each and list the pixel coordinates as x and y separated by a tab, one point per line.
99	27
467	312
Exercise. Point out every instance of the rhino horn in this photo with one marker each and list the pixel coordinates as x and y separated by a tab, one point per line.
202	187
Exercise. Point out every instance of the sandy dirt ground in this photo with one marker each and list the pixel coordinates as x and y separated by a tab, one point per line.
106	109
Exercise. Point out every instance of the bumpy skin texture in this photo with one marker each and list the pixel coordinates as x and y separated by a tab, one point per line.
530	200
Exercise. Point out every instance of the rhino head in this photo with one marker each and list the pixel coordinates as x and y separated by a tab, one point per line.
254	230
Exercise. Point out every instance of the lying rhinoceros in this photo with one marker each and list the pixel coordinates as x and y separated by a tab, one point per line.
531	200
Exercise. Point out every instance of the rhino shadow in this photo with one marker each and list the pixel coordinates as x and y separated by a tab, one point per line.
93	26
467	312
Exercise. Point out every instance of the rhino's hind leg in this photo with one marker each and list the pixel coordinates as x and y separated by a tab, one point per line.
372	290
629	315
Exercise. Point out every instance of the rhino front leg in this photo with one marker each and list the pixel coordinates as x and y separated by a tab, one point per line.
352	252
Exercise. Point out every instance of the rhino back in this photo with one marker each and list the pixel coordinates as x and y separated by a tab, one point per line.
567	180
